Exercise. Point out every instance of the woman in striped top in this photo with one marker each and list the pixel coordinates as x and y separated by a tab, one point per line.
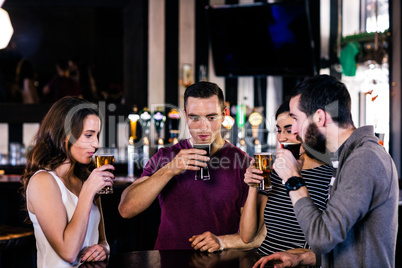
274	207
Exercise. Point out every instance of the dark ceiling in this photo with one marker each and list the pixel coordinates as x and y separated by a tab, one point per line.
69	3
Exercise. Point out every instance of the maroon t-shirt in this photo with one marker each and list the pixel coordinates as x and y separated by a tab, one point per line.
191	207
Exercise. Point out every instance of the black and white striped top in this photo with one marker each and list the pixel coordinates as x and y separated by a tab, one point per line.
283	230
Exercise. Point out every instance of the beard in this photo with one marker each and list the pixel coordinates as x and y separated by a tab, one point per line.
314	144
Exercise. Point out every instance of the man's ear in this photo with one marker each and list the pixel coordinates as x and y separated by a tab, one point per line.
320	118
224	113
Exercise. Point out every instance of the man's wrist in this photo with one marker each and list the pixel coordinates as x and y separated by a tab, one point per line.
292	175
294	183
309	258
298	194
168	171
221	246
304	256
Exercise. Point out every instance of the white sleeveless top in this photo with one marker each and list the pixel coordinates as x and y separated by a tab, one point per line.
46	256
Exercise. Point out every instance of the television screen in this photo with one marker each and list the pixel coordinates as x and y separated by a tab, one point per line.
261	39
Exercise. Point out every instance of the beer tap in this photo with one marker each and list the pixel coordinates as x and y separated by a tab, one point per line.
255	120
241	121
134	117
159	121
227	123
133	136
145	118
145	151
174	123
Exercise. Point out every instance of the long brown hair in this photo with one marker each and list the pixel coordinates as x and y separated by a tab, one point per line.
59	130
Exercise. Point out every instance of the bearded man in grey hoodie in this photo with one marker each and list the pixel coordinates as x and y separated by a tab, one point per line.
359	226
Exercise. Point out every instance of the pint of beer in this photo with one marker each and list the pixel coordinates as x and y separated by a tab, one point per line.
264	162
203	173
293	147
104	159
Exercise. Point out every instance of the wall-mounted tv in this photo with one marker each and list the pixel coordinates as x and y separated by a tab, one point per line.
262	39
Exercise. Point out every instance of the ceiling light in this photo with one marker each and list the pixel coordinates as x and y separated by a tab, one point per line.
6	29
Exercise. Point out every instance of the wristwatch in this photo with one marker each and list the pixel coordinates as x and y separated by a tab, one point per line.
294	183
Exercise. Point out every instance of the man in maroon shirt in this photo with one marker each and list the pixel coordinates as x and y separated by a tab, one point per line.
199	214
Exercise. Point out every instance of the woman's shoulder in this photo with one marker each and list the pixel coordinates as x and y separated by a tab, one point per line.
325	168
42	179
321	173
42	173
322	167
43	190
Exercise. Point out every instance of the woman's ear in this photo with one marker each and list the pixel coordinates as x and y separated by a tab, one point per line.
66	142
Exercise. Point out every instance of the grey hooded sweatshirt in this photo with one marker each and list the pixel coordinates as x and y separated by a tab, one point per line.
360	224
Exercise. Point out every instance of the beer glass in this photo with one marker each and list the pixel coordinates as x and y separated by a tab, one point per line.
104	159
203	173
264	162
293	147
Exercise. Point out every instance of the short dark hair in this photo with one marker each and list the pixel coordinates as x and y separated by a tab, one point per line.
320	92
282	109
204	90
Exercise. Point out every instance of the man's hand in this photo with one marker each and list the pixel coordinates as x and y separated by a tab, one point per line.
206	242
286	165
290	258
187	159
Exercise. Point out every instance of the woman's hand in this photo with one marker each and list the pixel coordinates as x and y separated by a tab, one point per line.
94	253
251	176
99	178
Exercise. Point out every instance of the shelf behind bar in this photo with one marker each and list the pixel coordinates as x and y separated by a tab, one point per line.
23	113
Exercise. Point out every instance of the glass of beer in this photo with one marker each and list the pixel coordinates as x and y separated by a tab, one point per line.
293	147
203	173
105	159
264	162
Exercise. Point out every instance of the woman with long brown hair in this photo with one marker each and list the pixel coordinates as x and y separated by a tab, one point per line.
60	189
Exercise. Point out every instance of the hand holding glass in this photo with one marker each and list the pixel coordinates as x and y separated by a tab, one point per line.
293	147
264	162
203	173
105	159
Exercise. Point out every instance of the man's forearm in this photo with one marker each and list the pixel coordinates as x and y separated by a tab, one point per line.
141	194
306	256
298	194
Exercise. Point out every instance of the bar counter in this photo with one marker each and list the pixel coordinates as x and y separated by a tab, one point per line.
180	259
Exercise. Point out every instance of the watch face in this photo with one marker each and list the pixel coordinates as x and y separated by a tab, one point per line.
294	183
